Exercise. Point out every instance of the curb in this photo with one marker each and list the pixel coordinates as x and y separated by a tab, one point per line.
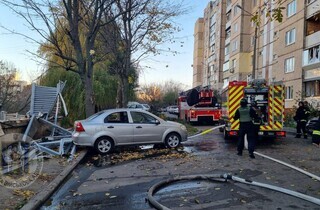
36	201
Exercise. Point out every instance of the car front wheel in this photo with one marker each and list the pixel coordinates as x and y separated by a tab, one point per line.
104	145
173	140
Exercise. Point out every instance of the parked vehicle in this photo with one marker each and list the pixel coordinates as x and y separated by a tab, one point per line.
145	107
115	127
163	109
199	105
269	99
311	125
173	109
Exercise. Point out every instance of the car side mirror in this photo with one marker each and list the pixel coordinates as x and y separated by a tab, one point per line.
157	122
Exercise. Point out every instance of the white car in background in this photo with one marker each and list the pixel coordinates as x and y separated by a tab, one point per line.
173	109
144	107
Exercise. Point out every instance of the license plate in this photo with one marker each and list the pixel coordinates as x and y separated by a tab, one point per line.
260	133
270	133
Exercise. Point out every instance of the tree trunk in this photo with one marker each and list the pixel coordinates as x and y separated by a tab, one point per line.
89	102
119	94
124	90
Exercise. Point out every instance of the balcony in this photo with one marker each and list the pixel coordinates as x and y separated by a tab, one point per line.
313	39
313	8
311	58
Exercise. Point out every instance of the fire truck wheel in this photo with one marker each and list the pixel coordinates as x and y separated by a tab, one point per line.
172	140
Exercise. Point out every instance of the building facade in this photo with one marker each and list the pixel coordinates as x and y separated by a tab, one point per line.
285	52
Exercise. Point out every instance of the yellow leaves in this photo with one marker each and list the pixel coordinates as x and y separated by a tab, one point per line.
26	194
160	154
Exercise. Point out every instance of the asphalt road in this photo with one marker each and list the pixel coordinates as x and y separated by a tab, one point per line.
121	181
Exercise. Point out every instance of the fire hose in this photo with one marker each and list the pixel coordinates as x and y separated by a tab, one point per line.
226	177
206	131
221	178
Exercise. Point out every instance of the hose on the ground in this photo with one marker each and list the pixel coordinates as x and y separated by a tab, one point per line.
222	178
162	184
206	131
290	166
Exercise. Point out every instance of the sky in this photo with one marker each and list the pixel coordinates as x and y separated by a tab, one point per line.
166	67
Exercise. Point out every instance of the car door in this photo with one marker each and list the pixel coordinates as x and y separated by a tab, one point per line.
118	125
145	128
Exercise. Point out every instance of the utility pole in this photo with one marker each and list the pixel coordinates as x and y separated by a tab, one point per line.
253	74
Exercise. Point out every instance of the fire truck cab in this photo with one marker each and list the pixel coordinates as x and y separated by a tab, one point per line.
199	105
270	102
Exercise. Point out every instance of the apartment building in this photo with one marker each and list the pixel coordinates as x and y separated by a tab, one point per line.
311	53
286	52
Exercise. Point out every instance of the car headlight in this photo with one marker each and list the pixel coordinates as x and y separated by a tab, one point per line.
183	127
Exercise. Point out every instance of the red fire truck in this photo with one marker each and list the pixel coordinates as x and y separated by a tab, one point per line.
199	105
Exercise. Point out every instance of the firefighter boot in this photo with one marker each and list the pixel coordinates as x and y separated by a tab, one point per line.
298	135
305	136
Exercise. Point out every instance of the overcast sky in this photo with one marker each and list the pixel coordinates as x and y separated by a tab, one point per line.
13	49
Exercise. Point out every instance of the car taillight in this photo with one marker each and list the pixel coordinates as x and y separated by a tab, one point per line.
79	127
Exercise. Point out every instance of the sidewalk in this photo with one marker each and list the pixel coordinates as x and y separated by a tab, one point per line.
54	171
289	130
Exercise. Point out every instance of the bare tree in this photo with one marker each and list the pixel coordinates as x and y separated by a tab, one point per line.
69	29
8	86
143	26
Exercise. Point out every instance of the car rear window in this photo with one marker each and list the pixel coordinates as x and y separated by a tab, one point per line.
95	115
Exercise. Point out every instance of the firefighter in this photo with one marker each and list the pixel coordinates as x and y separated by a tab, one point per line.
316	133
301	118
245	116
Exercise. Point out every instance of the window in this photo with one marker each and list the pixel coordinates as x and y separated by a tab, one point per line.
235	45
139	117
235	27
117	117
291	36
289	92
227	50
225	82
292	8
228	33
226	66
235	10
228	16
289	65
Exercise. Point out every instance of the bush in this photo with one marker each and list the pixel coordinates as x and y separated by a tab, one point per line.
288	117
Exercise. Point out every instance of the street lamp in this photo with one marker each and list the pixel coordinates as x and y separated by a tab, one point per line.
254	44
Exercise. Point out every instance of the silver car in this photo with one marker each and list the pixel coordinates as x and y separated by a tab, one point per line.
114	127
